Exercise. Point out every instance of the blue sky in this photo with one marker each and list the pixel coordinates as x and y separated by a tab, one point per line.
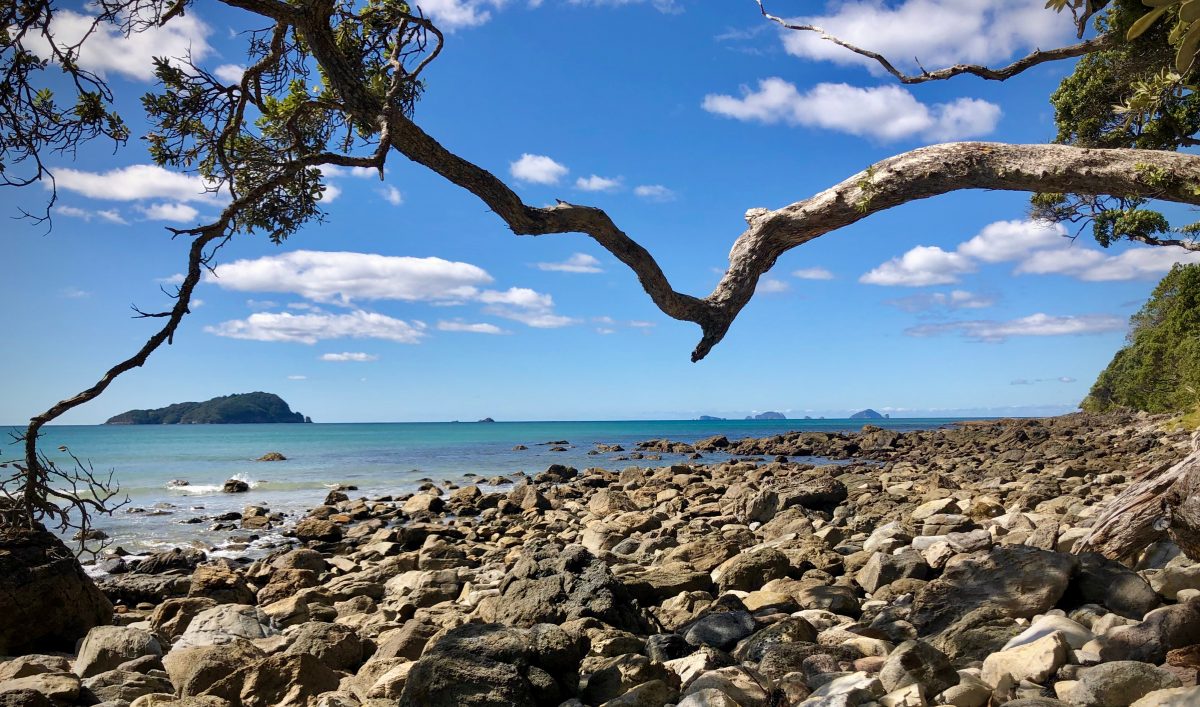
413	302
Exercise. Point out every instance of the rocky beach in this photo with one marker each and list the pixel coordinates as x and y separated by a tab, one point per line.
926	567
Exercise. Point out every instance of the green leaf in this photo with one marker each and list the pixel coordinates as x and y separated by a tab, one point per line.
1144	22
1189	11
1187	48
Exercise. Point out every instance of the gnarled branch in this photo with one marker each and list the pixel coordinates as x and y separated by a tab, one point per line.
1026	62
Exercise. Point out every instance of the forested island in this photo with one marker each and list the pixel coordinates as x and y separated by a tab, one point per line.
239	408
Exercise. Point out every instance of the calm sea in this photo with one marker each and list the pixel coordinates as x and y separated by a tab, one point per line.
383	458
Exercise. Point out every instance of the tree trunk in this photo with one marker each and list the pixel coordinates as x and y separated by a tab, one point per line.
1164	502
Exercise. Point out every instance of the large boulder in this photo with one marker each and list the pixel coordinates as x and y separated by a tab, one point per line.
47	601
334	645
226	623
1017	580
486	665
1112	585
1163	629
106	647
1119	683
194	670
281	680
554	584
126	685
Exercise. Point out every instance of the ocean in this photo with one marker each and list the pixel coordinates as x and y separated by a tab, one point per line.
377	458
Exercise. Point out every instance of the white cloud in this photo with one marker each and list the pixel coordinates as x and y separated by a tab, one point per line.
641	324
469	327
392	195
342	277
170	212
330	192
921	266
653	192
349	356
605	331
537	169
314	327
176	279
230	73
135	182
770	285
75	293
534	318
1010	240
955	299
1094	266
110	215
883	112
1032	325
597	183
297	378
578	263
109	50
812	274
934	32
517	297
456	14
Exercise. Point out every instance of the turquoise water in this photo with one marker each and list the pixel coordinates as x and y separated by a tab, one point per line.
382	458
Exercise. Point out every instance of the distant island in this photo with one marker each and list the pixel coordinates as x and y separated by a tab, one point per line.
709	418
769	415
239	408
867	414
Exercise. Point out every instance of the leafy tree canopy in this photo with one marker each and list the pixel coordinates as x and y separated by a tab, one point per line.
1159	369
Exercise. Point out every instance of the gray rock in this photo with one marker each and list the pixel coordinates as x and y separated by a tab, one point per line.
1119	683
122	685
1016	580
553	584
194	670
336	646
1163	629
719	629
790	630
1112	585
1174	697
615	676
226	623
883	569
917	662
750	570
282	680
106	647
976	635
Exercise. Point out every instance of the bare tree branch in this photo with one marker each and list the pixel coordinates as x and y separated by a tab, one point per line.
1006	72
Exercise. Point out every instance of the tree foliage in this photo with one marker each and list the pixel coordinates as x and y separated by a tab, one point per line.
1159	369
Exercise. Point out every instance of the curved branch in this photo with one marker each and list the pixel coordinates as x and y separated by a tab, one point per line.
1006	72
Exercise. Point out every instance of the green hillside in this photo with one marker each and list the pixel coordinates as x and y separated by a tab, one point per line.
229	409
1159	369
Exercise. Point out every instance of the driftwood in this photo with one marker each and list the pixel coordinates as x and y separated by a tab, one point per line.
1164	502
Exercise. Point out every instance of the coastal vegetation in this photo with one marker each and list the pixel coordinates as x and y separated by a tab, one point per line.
1159	370
255	407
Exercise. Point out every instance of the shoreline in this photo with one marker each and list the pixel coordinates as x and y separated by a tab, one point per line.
924	566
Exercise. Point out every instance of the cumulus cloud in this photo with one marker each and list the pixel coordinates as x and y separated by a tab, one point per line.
229	73
319	326
108	50
470	327
537	169
1034	381
110	215
452	15
356	356
919	267
343	277
653	192
955	299
934	32
1037	248
136	182
667	7
180	213
769	285
1010	240
392	195
598	183
1033	325
816	273
883	112
577	263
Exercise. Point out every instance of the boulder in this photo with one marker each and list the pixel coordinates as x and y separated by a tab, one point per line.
281	680
1119	683
106	647
976	635
217	581
1112	585
750	570
1016	580
1034	662
488	665
615	676
52	688
1172	697
1163	630
172	617
918	663
226	623
127	686
47	601
194	670
554	584
318	529
336	646
883	569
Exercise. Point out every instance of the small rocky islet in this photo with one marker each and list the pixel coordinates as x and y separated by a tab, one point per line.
925	568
